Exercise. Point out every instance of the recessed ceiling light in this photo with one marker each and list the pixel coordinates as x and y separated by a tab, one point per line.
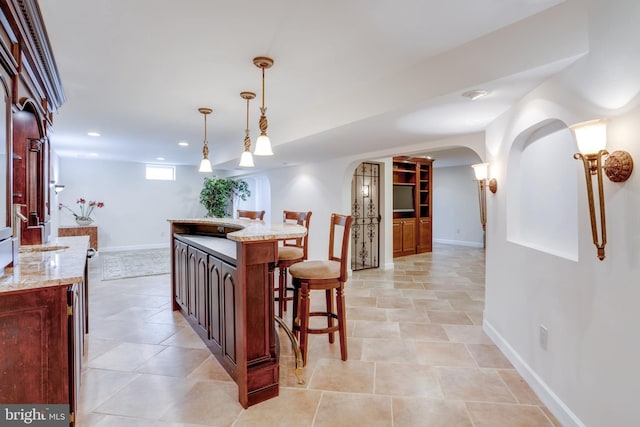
159	158
183	144
475	94
93	154
93	134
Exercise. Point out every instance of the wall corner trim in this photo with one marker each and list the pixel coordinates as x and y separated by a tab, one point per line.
557	407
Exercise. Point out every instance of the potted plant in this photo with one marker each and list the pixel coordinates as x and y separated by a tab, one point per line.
83	216
217	195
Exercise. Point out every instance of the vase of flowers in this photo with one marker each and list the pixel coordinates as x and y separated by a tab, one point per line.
83	216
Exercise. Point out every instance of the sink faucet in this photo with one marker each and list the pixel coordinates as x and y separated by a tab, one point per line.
18	216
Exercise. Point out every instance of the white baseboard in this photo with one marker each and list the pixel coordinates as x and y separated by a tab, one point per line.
557	407
134	247
458	242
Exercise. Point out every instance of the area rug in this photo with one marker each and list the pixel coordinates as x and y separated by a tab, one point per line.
145	262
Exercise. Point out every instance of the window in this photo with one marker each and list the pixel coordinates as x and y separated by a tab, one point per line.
161	172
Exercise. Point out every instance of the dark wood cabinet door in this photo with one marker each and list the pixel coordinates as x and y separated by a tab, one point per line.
180	260
34	347
215	307
191	281
229	285
201	281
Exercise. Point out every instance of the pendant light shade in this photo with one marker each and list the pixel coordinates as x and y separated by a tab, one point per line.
205	164
246	161
263	144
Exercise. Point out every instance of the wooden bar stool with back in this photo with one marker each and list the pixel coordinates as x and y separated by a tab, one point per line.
324	275
292	251
251	214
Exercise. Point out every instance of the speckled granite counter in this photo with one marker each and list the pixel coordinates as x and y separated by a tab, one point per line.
244	230
59	262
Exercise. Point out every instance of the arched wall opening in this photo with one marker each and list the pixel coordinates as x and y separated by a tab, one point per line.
542	196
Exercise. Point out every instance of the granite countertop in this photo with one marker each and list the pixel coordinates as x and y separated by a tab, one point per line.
59	262
250	230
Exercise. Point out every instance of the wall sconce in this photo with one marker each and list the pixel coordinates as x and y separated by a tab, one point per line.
481	171
591	137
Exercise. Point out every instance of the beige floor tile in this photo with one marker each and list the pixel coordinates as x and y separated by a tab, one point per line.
349	410
148	396
175	361
488	356
210	370
349	376
118	421
476	317
389	350
95	347
207	402
395	302
372	329
110	383
423	332
407	315
491	415
293	408
126	356
519	387
185	337
467	334
413	412
473	384
366	313
361	301
449	317
396	379
435	305
443	354
466	304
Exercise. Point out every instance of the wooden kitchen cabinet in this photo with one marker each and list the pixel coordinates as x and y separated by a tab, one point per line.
41	342
404	237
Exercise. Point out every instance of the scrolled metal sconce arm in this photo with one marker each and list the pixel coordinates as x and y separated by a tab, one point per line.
618	167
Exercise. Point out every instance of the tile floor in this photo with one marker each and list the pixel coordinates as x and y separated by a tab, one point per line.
417	357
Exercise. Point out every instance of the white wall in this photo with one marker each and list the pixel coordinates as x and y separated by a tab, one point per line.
456	212
136	210
589	373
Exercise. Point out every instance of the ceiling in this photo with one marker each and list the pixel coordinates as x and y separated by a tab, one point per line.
350	77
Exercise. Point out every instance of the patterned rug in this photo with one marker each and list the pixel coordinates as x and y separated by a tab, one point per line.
145	262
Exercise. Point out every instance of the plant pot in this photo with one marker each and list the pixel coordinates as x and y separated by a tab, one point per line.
83	221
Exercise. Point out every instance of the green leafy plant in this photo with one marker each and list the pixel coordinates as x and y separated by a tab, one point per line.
217	195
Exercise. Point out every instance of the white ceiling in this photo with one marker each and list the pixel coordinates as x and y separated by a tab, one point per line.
350	77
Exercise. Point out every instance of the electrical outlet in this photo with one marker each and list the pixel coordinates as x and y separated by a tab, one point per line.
544	337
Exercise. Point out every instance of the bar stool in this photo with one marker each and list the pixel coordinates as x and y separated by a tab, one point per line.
326	275
251	214
291	252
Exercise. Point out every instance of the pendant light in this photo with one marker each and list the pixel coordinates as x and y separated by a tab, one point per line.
263	144
246	160
205	164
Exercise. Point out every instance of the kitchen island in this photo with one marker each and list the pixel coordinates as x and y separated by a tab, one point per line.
42	324
222	283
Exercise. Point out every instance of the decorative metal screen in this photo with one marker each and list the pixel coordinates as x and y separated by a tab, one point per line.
365	209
